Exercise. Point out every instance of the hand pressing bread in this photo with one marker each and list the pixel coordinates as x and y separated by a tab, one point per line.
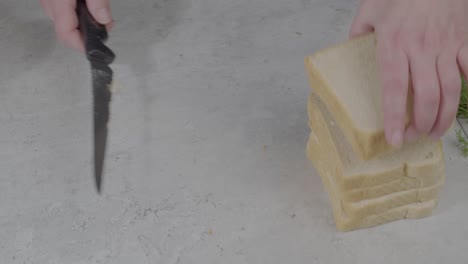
422	43
63	14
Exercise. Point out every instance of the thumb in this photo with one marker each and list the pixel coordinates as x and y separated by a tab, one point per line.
100	10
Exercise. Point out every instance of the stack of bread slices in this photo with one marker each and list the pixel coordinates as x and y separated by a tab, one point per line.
368	181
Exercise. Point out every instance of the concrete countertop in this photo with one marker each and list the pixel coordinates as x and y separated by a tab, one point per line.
206	160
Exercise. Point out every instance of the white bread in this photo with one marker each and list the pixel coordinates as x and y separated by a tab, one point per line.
416	165
345	222
419	165
398	185
345	76
369	206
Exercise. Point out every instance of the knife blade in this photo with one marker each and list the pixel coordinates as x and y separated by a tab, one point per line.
100	57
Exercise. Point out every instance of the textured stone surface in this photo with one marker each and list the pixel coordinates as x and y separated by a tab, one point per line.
206	159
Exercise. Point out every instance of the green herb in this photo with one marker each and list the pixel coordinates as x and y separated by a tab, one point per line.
462	142
463	114
463	107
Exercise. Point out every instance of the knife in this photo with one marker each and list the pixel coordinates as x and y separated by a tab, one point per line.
99	57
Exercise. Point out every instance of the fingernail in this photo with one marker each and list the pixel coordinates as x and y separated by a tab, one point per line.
396	139
104	16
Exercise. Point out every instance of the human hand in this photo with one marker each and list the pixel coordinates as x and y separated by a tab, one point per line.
425	42
63	14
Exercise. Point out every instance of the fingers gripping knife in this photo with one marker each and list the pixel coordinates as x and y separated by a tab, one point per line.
100	57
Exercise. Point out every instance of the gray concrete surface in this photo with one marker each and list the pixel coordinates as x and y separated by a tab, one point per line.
206	159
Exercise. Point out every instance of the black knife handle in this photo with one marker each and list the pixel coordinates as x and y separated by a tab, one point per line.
94	35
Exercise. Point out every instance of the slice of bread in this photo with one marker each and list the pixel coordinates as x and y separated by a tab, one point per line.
345	76
421	162
346	222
